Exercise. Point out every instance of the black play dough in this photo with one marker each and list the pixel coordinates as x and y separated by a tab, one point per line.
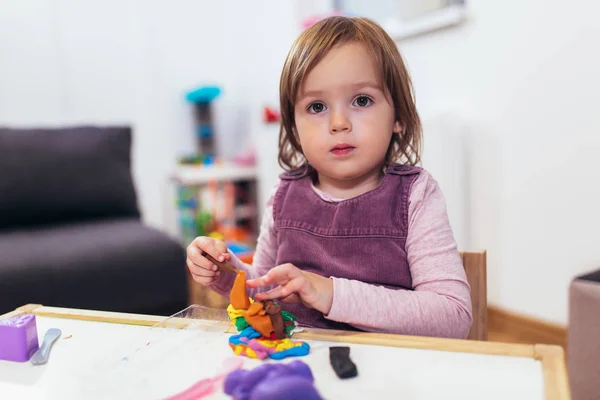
339	356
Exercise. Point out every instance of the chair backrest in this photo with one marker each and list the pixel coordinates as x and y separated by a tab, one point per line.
475	264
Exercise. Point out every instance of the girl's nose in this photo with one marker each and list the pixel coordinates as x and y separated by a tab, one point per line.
339	122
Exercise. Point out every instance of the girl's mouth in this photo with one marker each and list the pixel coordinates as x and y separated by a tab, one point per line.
342	149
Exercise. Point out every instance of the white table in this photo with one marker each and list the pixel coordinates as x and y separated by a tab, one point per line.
114	355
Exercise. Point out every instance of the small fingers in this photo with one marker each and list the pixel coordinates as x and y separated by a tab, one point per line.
199	270
272	294
290	288
258	282
195	256
222	249
214	248
278	275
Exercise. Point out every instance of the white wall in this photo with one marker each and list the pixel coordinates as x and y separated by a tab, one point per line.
524	75
113	61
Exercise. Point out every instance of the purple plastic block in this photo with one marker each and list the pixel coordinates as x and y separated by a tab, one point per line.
18	338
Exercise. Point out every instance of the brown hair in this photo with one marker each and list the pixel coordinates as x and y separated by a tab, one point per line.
311	46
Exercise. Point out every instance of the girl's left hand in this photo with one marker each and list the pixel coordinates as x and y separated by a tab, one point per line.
294	285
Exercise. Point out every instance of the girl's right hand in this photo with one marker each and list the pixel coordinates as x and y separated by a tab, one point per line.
202	269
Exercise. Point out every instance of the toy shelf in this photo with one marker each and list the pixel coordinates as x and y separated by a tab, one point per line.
218	200
191	175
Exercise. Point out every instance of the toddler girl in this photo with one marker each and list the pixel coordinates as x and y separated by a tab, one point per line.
354	236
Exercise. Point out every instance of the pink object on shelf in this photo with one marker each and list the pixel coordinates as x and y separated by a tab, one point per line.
18	338
308	22
246	158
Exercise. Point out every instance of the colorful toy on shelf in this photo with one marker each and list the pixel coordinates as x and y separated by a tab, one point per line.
199	159
246	158
216	197
202	99
204	223
270	115
224	210
203	95
243	252
265	330
187	204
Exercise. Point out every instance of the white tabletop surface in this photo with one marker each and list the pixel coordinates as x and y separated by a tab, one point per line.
104	360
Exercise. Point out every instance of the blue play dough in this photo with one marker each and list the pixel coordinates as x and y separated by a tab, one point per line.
296	351
250	333
272	381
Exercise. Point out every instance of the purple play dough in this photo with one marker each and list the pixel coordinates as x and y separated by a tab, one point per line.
18	338
272	381
285	387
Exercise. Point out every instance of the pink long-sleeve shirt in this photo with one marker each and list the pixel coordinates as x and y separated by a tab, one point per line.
439	304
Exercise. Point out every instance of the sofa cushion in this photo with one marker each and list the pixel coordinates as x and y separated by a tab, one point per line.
55	175
113	265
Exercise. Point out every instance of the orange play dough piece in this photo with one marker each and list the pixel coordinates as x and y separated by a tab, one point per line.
257	318
238	297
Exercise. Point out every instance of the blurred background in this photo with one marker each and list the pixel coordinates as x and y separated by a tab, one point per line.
506	90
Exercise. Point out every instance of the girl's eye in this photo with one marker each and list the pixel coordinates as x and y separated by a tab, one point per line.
316	108
362	101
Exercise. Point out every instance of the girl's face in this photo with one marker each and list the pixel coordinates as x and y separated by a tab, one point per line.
344	118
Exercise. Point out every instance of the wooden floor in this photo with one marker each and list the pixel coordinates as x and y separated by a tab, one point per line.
508	327
506	335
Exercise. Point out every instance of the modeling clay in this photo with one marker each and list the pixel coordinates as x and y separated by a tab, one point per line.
208	386
339	356
292	381
18	338
264	328
234	313
257	318
241	324
239	296
248	333
249	343
274	312
298	350
289	322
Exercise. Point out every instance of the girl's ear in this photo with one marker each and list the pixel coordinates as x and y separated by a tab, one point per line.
397	127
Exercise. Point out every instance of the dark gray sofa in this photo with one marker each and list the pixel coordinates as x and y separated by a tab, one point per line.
71	233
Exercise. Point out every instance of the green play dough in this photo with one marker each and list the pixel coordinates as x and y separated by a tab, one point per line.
241	324
288	317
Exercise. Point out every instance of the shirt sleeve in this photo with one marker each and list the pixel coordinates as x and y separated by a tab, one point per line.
264	257
440	303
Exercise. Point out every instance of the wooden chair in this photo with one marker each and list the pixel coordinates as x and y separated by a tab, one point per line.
475	264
